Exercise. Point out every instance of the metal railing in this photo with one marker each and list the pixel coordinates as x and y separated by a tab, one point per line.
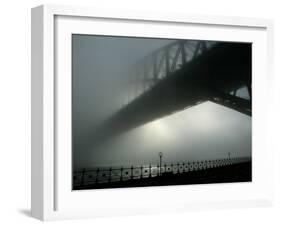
114	174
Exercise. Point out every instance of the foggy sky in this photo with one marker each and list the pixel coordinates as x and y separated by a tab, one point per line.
100	79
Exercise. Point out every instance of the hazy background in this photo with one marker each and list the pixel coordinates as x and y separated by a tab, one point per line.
100	87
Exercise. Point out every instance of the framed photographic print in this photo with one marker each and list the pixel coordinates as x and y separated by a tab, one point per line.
134	112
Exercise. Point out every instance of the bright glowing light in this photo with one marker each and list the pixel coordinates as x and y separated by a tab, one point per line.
201	118
204	117
158	128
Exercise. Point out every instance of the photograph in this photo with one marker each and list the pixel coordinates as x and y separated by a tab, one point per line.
152	111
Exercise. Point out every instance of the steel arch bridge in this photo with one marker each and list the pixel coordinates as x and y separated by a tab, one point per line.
163	62
180	75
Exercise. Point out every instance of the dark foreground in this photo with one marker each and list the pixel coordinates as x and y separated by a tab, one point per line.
241	172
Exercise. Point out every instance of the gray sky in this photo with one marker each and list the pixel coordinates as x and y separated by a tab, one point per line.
100	79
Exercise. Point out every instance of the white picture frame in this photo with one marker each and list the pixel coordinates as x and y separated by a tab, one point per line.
52	197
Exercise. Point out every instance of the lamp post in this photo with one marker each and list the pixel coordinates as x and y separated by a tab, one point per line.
160	156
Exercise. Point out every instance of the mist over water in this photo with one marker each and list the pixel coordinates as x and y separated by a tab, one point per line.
203	132
100	82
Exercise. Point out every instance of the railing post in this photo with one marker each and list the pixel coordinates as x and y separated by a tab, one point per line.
132	172
141	172
121	173
109	176
149	170
82	177
178	168
97	175
160	163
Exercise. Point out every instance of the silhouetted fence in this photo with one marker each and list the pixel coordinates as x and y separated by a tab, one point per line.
114	174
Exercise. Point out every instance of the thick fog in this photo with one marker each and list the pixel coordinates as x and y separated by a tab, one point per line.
100	80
